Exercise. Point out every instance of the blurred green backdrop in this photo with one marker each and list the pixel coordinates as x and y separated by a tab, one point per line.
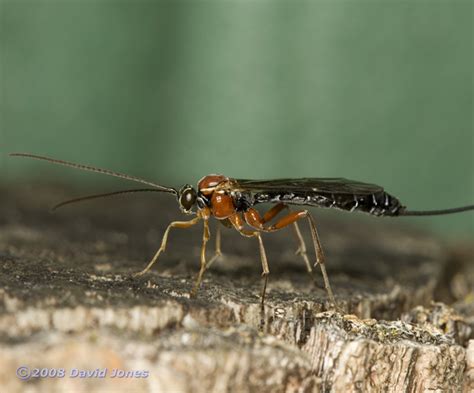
378	91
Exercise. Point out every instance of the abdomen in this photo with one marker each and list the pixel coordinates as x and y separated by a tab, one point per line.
377	204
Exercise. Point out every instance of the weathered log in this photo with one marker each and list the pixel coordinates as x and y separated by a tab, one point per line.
68	300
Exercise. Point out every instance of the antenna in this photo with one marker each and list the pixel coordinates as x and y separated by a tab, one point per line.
97	170
103	195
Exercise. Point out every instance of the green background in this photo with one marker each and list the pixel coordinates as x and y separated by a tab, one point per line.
377	91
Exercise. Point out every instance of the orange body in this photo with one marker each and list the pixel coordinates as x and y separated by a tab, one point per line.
215	189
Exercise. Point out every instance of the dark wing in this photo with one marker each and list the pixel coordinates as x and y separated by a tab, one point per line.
337	185
339	193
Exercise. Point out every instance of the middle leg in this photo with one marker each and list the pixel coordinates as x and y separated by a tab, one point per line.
217	252
238	224
253	218
205	238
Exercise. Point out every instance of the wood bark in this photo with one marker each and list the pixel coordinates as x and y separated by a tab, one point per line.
68	300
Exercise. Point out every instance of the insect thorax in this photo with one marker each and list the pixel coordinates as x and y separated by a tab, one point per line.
242	201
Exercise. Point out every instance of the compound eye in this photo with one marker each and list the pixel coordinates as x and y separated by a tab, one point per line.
188	198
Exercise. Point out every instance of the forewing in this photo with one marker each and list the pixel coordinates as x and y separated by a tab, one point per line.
337	193
309	185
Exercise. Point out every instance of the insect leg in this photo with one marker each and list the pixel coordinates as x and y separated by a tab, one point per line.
302	245
164	240
303	252
238	224
320	257
205	238
252	217
218	251
273	212
265	268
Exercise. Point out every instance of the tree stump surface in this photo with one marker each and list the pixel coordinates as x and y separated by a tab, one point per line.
68	300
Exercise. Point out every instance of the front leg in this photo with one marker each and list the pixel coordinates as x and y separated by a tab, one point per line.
164	240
